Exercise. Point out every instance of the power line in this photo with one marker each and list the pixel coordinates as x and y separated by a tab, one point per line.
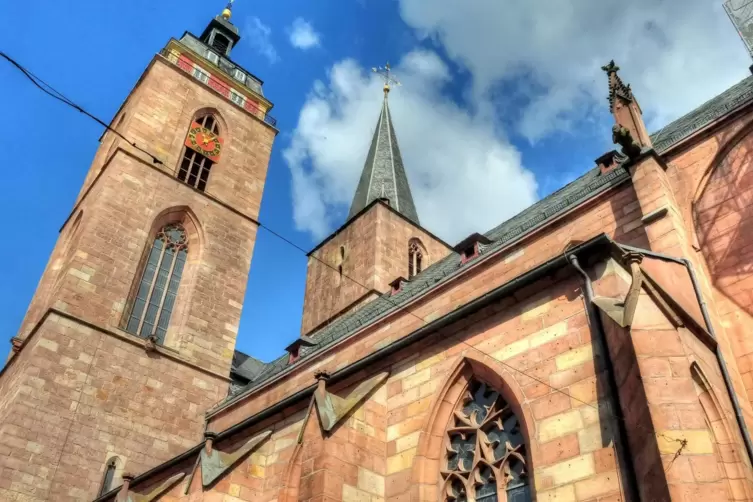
51	91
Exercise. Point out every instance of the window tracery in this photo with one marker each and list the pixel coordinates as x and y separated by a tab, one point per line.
415	257
486	451
159	283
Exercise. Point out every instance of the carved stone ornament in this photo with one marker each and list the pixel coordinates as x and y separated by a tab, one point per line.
215	463
150	343
333	408
156	492
623	137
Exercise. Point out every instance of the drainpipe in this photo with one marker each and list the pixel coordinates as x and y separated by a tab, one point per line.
719	356
597	330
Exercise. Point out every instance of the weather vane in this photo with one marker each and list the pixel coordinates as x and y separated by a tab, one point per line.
386	74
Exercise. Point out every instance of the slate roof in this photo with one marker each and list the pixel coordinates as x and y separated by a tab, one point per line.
539	213
383	175
245	366
715	108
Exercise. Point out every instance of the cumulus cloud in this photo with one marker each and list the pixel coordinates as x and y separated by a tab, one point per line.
302	34
675	54
258	35
533	68
464	175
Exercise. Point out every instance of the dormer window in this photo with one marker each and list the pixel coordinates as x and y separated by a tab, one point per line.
294	349
470	252
397	285
470	247
608	161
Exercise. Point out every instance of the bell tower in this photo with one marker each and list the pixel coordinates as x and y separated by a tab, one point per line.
130	335
381	244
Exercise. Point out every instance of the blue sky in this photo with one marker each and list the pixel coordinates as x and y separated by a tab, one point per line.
503	103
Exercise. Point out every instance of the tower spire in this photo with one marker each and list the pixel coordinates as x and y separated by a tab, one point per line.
383	175
624	106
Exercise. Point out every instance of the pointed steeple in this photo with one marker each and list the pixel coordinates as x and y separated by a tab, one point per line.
625	108
383	175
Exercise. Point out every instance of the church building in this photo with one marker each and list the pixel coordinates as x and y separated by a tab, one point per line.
596	347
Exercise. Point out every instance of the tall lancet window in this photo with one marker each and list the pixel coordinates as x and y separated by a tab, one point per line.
486	451
415	257
159	283
202	149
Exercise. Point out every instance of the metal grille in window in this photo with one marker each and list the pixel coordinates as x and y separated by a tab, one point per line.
415	258
486	452
159	283
194	167
199	74
237	98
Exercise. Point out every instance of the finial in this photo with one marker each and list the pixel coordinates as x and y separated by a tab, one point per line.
616	86
228	11
386	74
610	67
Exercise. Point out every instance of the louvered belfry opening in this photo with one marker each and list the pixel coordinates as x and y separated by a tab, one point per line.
220	43
195	167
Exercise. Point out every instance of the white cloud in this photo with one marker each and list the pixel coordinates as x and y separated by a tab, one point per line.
675	54
533	67
302	34
258	35
464	176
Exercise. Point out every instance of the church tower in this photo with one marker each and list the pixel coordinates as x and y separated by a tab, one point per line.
130	335
380	245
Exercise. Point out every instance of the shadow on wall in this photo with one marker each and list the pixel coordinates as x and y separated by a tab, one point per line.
723	214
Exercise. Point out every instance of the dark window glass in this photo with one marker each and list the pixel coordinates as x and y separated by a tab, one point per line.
221	43
108	478
415	258
194	167
159	283
485	433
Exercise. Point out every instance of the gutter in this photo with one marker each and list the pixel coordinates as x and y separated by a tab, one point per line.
380	355
445	281
719	356
597	330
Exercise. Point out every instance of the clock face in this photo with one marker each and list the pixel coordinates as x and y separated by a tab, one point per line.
204	141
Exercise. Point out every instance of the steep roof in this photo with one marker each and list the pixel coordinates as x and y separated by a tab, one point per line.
711	110
383	175
245	366
571	195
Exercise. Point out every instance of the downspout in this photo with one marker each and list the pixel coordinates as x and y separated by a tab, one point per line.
719	356
597	330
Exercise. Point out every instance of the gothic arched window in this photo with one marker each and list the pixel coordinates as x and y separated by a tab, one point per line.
486	450
109	476
415	257
202	149
159	283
